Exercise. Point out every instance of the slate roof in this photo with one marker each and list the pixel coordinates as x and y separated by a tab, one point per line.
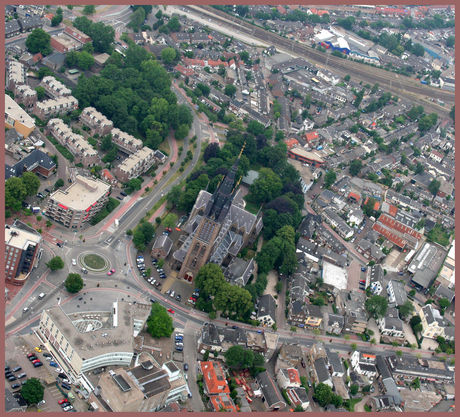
163	242
321	370
270	390
267	306
35	157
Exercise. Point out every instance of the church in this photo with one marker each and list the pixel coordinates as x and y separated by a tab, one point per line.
218	228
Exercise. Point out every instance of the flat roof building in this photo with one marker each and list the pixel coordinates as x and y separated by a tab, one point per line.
334	276
22	249
84	153
18	118
24	95
302	155
79	203
55	88
16	74
96	121
90	340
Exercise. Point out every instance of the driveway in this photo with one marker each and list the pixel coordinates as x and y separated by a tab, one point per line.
354	275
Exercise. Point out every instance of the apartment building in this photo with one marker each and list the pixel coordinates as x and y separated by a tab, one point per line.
24	95
96	121
55	88
90	340
84	153
79	203
135	165
22	252
16	75
54	107
126	142
364	364
16	117
432	322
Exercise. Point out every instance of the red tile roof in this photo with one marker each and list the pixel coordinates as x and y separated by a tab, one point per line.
392	210
354	195
401	228
214	377
293	375
398	241
311	136
223	401
106	173
291	142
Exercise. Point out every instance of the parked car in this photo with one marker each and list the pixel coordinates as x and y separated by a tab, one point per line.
22	375
120	198
37	349
64	385
47	355
33	358
172	294
178	297
179	348
74	262
62	375
12	378
14	386
25	310
123	193
54	364
185	367
36	365
17	369
35	361
68	408
63	401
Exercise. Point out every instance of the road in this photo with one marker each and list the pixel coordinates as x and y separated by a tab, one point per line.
397	84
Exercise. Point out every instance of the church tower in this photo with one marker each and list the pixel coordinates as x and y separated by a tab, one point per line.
216	210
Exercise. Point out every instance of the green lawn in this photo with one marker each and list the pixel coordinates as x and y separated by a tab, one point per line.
439	236
94	261
251	205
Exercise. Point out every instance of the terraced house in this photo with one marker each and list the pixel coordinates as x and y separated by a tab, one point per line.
126	142
135	165
84	153
96	121
55	107
55	88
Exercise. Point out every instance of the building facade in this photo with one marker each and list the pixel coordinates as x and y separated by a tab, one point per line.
55	107
16	117
96	121
135	165
79	203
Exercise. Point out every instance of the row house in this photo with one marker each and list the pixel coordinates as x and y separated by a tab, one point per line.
304	315
126	142
12	28
84	153
135	165
48	108
443	204
96	121
339	225
30	23
370	251
55	88
25	95
16	75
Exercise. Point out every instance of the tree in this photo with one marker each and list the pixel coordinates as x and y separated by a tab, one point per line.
355	167
137	18
337	400
346	337
48	223
354	389
267	186
399	352
373	341
234	356
74	283
39	41
59	183
450	41
259	360
174	194
106	142
395	343
354	346
248	359
85	60
318	301
40	92
210	279
323	394
89	10
31	183
32	391
452	113
374	88
298	409
135	183
55	263
168	55
170	220
159	14
444	303
434	186
56	20
377	306
230	90
159	323
329	179
347	78
174	24
406	308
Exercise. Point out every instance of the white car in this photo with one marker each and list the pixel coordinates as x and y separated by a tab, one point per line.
172	294
58	370
74	262
68	408
42	402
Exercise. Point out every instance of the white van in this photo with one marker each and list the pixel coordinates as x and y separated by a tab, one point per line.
42	296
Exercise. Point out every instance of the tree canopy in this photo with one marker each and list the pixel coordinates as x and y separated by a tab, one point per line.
39	41
55	263
159	323
377	306
102	35
74	283
32	391
323	394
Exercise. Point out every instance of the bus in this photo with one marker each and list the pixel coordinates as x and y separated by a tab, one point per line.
73	71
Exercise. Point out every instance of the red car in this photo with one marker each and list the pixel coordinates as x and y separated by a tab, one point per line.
30	355
63	401
36	361
170	310
112	271
168	229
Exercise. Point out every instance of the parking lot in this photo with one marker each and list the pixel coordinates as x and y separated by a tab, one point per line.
16	352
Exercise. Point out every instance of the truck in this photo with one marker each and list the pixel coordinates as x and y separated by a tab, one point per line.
71	397
35	210
423	82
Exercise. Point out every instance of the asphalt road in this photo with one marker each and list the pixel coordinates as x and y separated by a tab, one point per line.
397	84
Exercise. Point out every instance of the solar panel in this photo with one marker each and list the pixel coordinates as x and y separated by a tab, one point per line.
122	383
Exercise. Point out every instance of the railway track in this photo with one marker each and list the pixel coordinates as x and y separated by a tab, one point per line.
396	84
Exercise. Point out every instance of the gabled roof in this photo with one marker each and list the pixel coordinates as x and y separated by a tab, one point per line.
35	157
214	377
270	390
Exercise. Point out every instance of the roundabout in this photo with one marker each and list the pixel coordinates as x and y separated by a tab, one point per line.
94	262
